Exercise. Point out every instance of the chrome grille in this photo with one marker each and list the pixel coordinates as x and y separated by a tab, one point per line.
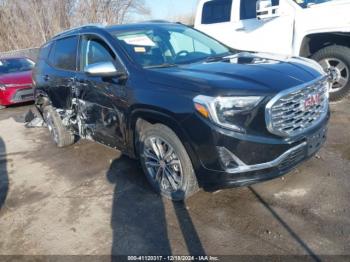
287	114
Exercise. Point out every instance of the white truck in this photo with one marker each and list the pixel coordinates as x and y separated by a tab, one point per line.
316	29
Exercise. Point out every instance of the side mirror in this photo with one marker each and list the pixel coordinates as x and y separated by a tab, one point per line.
104	69
266	9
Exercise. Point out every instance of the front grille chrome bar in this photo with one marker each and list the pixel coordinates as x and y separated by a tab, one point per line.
243	168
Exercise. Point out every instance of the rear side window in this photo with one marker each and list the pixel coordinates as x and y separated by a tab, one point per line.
63	54
45	51
217	11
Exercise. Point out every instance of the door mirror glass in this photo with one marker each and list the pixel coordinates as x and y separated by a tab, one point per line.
267	9
101	69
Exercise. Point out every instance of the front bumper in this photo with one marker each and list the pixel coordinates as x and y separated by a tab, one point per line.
15	95
229	159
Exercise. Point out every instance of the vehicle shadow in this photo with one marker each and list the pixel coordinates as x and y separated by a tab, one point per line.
4	181
280	220
138	220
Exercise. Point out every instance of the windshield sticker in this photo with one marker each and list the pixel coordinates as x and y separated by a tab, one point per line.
140	49
139	40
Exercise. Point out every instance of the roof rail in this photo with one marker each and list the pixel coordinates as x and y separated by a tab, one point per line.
78	27
156	21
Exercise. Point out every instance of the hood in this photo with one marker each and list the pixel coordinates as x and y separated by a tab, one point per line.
17	78
240	74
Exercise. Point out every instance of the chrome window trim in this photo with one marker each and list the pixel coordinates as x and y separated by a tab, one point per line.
270	104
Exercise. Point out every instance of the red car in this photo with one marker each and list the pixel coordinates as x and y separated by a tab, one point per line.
15	81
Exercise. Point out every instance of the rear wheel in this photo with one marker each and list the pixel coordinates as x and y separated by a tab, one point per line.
335	61
166	163
59	133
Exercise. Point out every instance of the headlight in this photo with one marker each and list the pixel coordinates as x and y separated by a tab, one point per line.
2	87
223	110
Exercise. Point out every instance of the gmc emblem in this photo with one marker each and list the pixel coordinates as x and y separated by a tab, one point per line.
312	100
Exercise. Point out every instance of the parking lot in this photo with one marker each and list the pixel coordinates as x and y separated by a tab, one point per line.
88	199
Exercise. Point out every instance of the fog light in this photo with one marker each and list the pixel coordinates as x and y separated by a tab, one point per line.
227	159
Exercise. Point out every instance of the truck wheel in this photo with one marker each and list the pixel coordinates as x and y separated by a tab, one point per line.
60	135
166	163
335	60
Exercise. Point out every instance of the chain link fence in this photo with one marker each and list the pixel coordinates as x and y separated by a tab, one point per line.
31	53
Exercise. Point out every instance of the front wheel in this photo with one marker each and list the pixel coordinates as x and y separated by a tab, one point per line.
166	163
335	61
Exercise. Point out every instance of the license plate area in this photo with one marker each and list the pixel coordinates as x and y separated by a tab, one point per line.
315	142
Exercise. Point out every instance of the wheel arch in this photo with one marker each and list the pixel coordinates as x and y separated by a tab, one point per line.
140	118
312	43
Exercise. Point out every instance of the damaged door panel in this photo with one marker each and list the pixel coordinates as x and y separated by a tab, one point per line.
101	101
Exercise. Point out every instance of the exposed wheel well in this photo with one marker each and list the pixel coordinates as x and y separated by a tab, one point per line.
314	42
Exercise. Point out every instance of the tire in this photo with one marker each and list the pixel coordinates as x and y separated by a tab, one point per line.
332	58
176	165
59	133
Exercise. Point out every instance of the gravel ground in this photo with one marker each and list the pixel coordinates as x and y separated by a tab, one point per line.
89	200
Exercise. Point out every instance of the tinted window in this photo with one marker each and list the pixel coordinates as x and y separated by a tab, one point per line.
249	8
95	51
217	11
45	51
63	54
14	65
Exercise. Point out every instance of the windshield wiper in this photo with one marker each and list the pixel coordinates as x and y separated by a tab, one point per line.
162	65
216	58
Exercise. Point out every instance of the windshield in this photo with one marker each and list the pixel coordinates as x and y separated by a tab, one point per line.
306	3
8	66
168	45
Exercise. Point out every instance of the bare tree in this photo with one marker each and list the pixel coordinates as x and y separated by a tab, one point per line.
187	19
108	11
30	23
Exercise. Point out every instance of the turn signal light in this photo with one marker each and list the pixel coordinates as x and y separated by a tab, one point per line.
202	110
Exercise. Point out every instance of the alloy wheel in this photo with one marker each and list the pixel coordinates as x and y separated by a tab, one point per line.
162	164
338	73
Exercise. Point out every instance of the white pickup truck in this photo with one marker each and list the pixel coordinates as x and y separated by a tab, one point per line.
316	29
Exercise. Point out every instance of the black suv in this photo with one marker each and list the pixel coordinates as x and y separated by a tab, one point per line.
196	113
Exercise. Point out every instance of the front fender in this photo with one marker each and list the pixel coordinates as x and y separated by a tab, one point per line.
153	116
